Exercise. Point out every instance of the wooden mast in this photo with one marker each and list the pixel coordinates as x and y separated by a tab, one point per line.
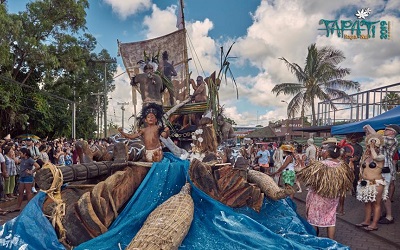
185	53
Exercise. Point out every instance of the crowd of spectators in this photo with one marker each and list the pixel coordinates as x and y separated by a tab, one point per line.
60	152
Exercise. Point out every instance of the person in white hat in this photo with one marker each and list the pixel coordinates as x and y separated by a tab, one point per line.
388	148
330	141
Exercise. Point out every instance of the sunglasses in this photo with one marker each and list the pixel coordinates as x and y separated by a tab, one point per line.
391	129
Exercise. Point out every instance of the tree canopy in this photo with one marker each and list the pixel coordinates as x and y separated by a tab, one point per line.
391	100
45	67
320	79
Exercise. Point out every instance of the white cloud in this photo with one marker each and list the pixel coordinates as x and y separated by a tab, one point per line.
125	8
160	22
202	48
122	94
198	38
285	28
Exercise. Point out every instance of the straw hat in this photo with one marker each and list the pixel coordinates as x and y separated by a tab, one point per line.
380	132
287	148
330	140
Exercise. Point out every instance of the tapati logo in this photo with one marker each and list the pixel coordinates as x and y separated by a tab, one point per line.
363	13
359	28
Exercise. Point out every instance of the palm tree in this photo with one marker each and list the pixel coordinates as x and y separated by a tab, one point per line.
321	79
391	100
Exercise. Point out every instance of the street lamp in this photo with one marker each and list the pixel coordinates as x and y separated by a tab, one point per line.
123	109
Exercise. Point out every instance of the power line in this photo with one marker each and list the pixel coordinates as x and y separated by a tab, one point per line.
6	79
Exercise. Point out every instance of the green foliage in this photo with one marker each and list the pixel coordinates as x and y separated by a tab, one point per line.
320	79
391	100
230	121
44	55
226	69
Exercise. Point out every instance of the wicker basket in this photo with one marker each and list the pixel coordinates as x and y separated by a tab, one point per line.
166	227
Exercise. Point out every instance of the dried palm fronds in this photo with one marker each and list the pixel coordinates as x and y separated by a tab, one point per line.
226	184
268	186
329	182
166	227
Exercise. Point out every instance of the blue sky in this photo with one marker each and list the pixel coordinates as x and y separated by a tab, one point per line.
262	30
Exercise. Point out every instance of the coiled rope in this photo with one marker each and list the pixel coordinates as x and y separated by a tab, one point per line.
54	192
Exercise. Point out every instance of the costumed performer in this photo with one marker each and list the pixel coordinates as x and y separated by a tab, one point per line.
372	188
287	168
151	128
327	180
150	85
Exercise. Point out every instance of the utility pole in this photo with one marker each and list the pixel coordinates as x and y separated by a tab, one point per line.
105	61
123	109
98	112
287	134
74	118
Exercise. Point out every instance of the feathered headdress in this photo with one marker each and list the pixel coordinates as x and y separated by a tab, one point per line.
344	145
149	59
153	108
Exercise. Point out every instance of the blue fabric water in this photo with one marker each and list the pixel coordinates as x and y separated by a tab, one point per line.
214	226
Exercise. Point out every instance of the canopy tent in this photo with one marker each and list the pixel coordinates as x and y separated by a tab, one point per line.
26	136
378	122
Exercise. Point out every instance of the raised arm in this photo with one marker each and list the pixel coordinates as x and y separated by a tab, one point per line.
375	156
288	160
199	89
192	82
130	136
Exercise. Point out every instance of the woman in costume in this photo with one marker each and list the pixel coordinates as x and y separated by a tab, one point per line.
287	169
371	188
327	180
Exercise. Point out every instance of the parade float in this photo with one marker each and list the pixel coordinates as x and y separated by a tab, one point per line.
117	201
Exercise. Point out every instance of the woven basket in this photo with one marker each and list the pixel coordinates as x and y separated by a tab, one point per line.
166	227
